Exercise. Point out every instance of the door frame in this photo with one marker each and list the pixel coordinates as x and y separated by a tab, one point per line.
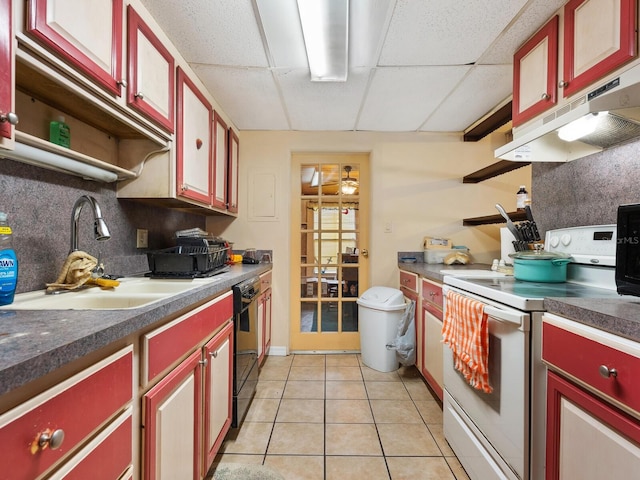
315	342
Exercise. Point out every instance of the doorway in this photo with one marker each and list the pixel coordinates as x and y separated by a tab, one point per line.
329	255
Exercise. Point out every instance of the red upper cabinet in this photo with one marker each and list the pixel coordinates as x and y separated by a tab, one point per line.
87	35
232	184
7	117
535	73
599	36
220	160
194	142
151	74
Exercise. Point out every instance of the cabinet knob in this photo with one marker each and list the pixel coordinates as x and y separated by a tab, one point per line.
214	354
10	117
122	83
607	372
545	96
53	440
562	84
139	95
432	294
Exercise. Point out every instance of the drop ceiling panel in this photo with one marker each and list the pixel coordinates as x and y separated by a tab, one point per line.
452	32
248	96
322	105
480	91
425	56
368	24
220	32
401	98
530	20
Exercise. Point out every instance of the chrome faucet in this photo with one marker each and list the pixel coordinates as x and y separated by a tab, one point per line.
101	231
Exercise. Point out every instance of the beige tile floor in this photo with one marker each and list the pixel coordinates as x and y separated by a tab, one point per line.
328	417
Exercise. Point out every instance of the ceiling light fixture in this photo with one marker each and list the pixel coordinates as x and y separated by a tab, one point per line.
325	27
348	185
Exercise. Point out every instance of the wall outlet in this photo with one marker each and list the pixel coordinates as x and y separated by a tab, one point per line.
388	227
142	238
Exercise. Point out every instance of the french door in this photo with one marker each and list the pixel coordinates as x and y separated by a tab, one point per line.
329	238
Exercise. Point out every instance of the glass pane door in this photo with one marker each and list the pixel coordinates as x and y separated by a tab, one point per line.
331	251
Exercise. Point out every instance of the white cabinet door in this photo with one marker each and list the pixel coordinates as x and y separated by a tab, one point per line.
535	73
433	349
220	160
194	139
151	73
599	36
218	353
87	35
171	423
232	174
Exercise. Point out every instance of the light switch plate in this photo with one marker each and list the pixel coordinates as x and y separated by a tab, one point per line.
142	238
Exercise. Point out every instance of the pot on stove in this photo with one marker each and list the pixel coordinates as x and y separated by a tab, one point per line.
540	266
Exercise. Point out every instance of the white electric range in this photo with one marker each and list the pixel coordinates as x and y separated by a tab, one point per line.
502	434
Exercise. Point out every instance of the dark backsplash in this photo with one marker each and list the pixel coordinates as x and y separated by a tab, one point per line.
39	203
586	191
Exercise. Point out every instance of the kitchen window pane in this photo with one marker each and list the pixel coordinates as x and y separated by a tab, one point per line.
329	316
349	316
308	317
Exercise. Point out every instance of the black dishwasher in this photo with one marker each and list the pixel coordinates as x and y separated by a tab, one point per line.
245	346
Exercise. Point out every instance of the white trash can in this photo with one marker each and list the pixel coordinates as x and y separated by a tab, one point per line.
380	310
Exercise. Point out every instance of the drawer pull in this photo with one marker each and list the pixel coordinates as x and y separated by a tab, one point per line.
52	440
607	372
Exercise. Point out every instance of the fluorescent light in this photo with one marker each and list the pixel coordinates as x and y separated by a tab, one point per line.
42	158
325	27
581	127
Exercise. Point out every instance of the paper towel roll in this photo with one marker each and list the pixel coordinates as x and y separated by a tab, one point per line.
506	245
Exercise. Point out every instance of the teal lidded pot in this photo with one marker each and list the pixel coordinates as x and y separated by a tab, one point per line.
540	266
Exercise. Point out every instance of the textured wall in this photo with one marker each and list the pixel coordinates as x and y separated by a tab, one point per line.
586	191
39	204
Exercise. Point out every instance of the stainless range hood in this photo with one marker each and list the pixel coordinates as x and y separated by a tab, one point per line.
619	97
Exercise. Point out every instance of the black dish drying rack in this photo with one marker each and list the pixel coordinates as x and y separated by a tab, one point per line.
188	261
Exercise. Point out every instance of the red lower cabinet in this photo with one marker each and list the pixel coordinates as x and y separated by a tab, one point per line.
218	388
171	423
42	433
586	437
176	422
106	457
593	422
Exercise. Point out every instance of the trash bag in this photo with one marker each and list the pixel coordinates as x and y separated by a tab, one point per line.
405	342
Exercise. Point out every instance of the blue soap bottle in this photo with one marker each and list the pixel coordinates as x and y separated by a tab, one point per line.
8	263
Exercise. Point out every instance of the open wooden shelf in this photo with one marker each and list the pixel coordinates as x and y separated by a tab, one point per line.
489	219
498	168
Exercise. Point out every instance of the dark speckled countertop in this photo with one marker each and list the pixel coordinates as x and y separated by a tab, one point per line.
35	343
619	316
432	270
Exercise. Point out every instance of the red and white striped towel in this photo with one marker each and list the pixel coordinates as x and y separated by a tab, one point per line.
466	331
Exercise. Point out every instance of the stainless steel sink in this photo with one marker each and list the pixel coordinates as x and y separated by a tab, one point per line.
131	293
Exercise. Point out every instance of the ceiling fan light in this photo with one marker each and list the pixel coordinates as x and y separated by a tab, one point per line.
325	27
348	185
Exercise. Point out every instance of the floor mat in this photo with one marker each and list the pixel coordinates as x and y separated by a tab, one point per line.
244	471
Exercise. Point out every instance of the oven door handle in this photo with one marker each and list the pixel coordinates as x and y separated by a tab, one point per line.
503	316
